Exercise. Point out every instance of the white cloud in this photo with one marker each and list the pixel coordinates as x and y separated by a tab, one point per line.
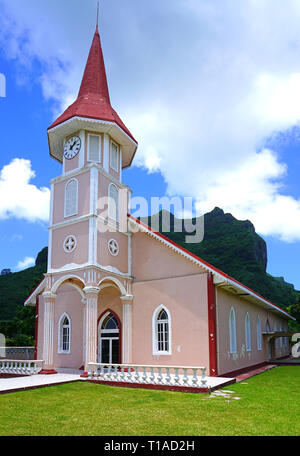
201	87
18	197
26	263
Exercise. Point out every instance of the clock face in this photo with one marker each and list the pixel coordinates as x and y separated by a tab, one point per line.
72	147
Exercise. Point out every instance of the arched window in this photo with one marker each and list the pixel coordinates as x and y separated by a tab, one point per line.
113	202
232	331
110	323
109	339
258	330
161	328
248	332
71	198
64	334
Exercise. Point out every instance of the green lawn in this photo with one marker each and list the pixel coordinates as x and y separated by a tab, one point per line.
269	404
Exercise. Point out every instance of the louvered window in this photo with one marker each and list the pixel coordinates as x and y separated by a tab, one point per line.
113	203
94	149
71	198
114	157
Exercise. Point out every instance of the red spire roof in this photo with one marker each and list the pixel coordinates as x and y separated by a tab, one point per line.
93	99
94	79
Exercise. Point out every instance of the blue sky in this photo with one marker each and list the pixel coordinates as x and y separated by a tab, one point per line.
211	90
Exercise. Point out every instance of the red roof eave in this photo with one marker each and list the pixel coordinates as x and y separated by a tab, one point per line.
32	293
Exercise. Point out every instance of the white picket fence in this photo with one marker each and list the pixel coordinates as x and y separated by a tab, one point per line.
20	367
192	377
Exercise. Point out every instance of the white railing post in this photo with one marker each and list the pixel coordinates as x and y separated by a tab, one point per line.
203	377
188	377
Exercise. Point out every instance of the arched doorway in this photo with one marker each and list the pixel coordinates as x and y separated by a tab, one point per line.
109	339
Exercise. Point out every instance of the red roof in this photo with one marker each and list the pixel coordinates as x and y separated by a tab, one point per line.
93	99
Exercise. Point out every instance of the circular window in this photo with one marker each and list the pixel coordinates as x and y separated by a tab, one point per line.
70	244
113	247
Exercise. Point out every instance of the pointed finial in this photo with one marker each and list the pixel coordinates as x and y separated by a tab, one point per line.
97	15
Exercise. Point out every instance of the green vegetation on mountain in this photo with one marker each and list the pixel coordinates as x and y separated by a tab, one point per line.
229	244
235	248
16	321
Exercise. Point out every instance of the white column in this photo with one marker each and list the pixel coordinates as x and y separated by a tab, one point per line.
90	326
127	329
48	348
106	147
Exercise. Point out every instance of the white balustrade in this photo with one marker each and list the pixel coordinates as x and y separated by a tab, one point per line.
20	367
190	377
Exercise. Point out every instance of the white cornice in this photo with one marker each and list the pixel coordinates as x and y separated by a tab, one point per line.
97	121
86	168
77	267
87	217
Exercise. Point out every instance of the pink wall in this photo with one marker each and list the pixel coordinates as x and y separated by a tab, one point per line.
228	362
104	257
69	300
186	300
71	165
83	197
80	255
152	260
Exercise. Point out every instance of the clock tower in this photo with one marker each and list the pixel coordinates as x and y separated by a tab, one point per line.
89	242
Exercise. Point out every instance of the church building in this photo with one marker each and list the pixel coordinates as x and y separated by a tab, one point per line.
118	292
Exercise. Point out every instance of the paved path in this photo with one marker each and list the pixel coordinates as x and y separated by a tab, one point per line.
9	385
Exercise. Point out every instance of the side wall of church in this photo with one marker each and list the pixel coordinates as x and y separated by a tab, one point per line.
228	362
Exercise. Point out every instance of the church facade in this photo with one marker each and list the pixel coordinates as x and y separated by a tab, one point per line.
116	291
